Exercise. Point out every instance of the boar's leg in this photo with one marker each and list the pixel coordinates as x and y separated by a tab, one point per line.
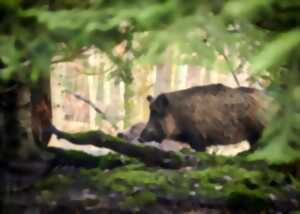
198	147
253	143
195	142
255	130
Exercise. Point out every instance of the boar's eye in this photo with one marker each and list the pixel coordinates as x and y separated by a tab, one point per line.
155	114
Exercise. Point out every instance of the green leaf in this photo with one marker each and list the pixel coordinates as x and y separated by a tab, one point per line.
245	9
276	51
10	3
276	152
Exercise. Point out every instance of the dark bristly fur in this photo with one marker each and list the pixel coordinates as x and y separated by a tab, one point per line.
206	115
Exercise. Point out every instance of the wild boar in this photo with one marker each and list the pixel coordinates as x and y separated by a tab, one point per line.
205	116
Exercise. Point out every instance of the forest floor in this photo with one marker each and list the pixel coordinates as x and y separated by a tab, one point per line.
120	184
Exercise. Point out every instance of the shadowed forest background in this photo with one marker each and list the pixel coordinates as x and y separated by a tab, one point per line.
75	74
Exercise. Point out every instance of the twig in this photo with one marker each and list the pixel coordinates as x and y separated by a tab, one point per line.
99	111
70	57
232	70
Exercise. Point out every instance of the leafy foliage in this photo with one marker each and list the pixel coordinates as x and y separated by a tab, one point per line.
278	59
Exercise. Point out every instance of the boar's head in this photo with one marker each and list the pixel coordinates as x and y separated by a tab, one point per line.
161	123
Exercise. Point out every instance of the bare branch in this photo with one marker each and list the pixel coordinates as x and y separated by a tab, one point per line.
99	111
69	57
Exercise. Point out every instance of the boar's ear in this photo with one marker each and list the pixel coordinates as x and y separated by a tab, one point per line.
149	98
161	103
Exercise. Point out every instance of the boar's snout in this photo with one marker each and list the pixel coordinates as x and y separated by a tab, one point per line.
151	134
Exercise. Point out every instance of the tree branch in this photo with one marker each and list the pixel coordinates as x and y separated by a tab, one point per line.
69	57
99	111
232	70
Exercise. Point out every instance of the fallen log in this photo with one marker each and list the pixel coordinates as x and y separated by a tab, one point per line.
149	155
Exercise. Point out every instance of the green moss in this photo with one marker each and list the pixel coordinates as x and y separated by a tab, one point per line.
110	160
212	182
295	182
90	172
138	200
111	138
83	135
215	178
47	195
134	166
226	180
78	155
54	182
206	159
124	181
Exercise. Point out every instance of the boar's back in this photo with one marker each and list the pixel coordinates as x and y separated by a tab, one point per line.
216	113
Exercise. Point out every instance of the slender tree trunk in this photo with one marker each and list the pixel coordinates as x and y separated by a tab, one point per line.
100	88
144	79
163	82
180	77
128	104
207	77
57	77
163	78
92	96
194	74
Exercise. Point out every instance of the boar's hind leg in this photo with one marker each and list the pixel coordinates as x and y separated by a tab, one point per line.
197	144
198	147
254	135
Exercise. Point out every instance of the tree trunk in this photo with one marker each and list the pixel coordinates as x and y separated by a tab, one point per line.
128	104
194	75
163	78
180	77
92	83
25	113
41	111
57	77
17	141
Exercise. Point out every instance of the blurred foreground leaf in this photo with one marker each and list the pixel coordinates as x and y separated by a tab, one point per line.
276	51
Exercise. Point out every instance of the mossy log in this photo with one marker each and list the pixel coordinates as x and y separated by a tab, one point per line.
149	155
